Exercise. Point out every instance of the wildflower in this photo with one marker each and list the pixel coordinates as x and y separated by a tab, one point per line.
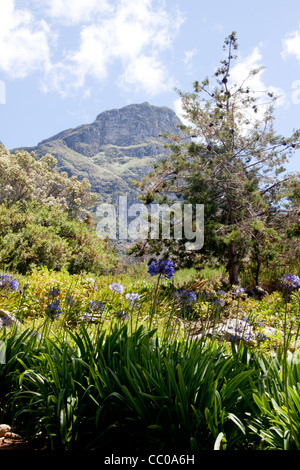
163	267
246	337
86	317
54	292
96	305
186	296
90	282
121	315
211	296
53	310
133	298
239	291
262	337
116	288
8	283
36	333
253	320
290	282
218	302
6	321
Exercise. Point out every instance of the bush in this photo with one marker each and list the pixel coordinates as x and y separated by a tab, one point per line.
23	177
34	235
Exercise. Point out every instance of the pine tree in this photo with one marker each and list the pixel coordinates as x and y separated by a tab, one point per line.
231	161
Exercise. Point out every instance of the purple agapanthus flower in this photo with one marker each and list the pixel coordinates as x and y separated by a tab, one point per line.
53	310
290	282
96	305
186	296
133	298
86	317
118	288
239	291
121	315
8	283
164	268
54	292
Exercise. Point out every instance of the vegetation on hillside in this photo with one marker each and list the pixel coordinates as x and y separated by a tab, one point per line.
120	144
45	218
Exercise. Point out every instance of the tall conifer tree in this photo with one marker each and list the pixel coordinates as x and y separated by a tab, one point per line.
231	161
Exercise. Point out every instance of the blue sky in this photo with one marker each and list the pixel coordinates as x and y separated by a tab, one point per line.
62	62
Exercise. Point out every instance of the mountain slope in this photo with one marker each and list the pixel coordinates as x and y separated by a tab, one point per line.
121	144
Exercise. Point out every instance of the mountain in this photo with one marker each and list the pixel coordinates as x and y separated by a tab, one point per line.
121	144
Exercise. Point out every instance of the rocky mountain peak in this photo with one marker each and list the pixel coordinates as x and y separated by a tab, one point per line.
120	145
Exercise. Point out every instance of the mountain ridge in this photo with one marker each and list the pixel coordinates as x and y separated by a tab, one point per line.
119	145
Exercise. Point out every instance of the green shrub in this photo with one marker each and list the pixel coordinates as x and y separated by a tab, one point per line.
34	235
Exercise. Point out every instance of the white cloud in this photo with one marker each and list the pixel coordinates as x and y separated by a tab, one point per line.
188	56
77	11
240	71
130	36
177	105
24	42
291	45
240	74
133	34
148	74
188	60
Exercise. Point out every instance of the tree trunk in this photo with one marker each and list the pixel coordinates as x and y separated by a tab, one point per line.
233	265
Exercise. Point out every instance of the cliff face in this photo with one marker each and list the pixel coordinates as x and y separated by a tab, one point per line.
121	144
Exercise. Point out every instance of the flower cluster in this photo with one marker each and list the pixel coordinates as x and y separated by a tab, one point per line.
8	283
186	299
236	338
118	288
290	282
96	306
54	292
164	268
216	298
133	298
121	315
6	321
86	317
253	320
53	310
238	291
186	296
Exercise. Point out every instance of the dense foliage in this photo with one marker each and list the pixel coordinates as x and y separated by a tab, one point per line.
44	218
232	161
23	177
113	364
158	359
34	235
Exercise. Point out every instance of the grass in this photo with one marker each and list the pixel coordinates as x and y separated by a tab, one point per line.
135	378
